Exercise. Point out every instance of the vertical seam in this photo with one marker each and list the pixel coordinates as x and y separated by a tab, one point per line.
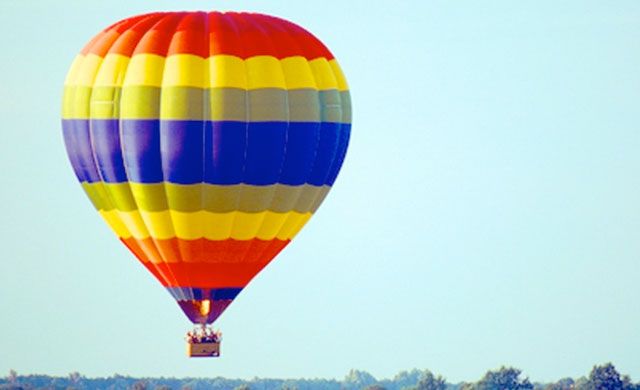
163	258
232	16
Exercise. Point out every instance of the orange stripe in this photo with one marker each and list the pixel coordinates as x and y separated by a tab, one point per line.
130	38
204	263
145	250
101	43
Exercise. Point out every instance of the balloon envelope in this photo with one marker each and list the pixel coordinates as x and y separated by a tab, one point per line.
206	141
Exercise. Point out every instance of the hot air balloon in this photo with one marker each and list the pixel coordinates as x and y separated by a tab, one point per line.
206	141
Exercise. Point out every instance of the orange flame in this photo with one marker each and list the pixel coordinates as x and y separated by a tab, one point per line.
205	307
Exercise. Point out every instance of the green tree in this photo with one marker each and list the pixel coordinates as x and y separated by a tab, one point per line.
428	381
466	386
604	377
581	383
75	379
356	379
628	385
505	378
13	376
562	384
139	385
406	379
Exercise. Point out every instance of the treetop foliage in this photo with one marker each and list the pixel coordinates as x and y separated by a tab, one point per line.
601	377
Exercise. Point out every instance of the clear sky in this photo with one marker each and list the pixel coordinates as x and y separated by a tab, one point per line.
488	211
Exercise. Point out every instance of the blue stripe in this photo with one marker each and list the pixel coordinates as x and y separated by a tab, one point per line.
239	152
182	147
141	150
220	152
302	141
343	144
266	146
78	144
198	294
326	152
105	140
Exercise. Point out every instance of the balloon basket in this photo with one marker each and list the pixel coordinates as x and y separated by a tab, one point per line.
203	341
203	349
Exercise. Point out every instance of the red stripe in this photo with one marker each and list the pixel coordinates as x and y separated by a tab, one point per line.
190	36
157	39
204	263
205	34
128	23
210	275
307	43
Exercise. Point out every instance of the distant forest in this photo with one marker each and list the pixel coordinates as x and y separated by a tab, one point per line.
601	377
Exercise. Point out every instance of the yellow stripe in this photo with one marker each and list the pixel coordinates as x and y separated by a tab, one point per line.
105	103
73	70
100	196
97	194
227	71
325	78
214	198
112	71
217	71
77	92
294	223
115	223
84	71
185	70
76	102
264	72
141	102
297	73
145	69
136	225
167	224
340	79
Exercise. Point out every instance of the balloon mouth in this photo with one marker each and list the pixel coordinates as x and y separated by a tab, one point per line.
204	311
204	305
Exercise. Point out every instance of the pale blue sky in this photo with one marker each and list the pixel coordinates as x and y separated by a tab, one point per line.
488	211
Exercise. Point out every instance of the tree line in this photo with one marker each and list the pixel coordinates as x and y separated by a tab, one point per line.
601	377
